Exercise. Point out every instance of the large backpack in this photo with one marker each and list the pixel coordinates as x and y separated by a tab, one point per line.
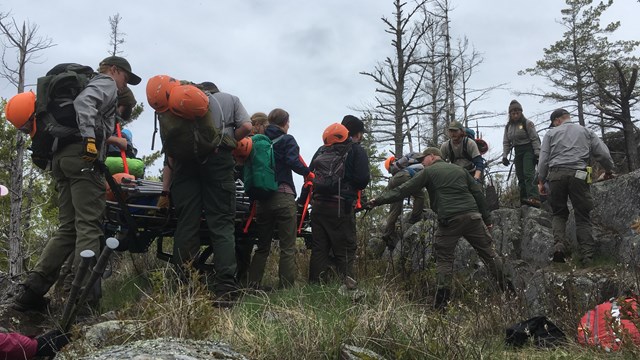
329	168
404	162
186	139
260	169
610	325
55	114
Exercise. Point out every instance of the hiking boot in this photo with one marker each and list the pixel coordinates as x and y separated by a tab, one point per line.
226	300
586	262
533	202
255	287
559	257
442	299
350	283
27	300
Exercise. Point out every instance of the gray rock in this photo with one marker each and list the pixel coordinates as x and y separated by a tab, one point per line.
350	352
112	332
163	349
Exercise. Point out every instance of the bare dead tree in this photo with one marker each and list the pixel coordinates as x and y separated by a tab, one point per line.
467	62
27	45
400	78
442	10
116	38
433	89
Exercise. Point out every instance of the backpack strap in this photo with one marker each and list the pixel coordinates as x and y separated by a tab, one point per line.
465	152
223	121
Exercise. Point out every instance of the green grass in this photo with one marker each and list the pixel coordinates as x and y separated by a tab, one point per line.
394	319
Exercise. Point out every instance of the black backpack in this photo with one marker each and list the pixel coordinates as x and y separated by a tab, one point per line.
55	114
329	168
543	332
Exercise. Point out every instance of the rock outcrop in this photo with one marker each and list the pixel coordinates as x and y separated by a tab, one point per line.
524	238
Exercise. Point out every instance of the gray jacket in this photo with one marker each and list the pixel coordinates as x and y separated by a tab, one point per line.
570	146
515	134
95	109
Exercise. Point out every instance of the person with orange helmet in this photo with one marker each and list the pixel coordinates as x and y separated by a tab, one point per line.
208	187
279	210
79	180
402	170
341	167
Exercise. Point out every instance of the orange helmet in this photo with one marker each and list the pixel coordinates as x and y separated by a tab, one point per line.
335	134
158	90
243	148
188	102
21	108
388	162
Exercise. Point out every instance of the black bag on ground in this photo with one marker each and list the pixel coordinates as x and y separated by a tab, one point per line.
544	333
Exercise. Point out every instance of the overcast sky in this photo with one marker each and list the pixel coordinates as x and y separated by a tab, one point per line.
303	56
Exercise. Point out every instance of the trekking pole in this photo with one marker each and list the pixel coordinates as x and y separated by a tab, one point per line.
85	260
509	175
112	243
125	165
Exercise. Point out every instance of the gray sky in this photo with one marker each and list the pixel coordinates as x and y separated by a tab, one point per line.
303	56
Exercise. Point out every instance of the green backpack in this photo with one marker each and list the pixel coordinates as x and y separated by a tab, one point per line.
186	140
55	114
260	169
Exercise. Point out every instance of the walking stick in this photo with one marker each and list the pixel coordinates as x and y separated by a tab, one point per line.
85	260
96	273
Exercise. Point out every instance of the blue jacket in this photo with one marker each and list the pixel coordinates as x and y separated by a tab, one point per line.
287	156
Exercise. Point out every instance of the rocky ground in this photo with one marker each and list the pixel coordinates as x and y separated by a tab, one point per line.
522	236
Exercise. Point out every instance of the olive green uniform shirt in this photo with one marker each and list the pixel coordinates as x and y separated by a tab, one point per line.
452	191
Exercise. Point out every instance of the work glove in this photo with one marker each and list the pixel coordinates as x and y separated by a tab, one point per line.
505	161
310	176
164	201
370	204
89	149
51	342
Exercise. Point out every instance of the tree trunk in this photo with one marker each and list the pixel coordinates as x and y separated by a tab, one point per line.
16	262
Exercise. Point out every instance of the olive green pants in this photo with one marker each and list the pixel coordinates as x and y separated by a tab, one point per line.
472	228
276	213
564	186
526	172
81	203
395	209
206	189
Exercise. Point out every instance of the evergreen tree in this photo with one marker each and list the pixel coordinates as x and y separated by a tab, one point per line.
566	63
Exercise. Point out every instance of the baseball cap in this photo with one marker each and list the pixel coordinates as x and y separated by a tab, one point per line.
124	65
455	125
431	151
556	114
